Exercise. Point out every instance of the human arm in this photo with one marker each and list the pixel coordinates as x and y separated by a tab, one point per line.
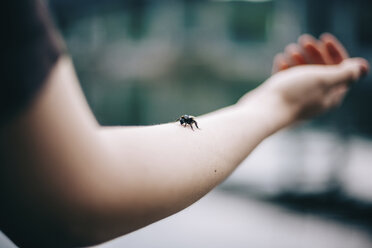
70	171
78	183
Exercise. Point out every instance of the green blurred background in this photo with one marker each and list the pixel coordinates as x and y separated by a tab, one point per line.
145	62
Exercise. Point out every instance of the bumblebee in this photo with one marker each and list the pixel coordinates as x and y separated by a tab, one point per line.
187	120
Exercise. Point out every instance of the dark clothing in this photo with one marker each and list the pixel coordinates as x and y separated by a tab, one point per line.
30	46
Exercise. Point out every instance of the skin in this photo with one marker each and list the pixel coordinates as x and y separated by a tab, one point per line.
328	50
66	181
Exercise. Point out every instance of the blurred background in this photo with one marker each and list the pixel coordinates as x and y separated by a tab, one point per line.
149	61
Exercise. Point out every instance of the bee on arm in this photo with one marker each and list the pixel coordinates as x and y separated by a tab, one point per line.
188	120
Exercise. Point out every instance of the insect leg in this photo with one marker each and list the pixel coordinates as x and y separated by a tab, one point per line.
196	124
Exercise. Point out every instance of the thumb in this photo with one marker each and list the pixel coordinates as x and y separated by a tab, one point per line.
350	70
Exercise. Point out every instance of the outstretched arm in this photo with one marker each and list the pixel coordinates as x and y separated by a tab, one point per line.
97	183
78	183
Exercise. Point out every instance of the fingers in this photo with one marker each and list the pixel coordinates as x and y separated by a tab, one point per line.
325	51
280	63
313	50
335	49
335	79
355	68
294	55
350	70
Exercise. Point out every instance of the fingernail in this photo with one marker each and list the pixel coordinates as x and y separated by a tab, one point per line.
363	71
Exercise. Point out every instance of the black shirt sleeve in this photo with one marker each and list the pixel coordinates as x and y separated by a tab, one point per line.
30	46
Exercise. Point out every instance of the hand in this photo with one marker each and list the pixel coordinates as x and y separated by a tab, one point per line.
327	51
308	90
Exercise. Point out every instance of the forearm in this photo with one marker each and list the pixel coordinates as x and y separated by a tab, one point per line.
224	139
168	167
